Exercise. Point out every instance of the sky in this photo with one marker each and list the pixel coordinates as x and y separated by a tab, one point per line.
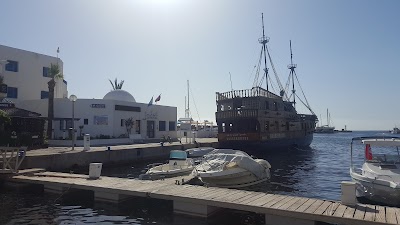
346	51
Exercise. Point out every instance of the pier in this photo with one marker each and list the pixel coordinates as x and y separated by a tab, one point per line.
203	201
61	158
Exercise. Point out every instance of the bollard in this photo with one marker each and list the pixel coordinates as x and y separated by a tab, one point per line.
86	142
349	193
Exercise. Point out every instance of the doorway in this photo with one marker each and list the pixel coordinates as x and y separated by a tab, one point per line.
150	129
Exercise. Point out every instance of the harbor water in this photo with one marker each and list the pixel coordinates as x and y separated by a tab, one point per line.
313	172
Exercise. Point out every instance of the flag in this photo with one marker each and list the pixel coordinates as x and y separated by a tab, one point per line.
58	50
151	102
158	98
368	152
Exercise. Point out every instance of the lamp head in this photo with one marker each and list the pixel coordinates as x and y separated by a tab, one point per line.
73	98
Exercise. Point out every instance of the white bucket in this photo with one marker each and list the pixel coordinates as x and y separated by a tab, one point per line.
95	170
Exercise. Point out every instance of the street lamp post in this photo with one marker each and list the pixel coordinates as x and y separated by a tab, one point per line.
73	99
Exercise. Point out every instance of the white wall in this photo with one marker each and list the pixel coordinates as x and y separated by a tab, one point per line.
29	79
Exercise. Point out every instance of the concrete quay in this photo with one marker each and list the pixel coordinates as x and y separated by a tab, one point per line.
60	158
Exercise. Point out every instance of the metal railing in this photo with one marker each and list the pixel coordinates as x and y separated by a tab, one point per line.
11	159
254	92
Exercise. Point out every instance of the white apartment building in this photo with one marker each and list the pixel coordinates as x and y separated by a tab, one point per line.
26	74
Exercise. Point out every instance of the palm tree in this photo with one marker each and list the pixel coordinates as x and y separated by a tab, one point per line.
116	85
53	73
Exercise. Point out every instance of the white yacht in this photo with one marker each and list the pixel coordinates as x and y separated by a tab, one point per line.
179	164
231	169
379	177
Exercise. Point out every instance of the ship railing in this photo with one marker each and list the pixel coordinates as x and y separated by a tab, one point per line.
237	114
245	93
308	117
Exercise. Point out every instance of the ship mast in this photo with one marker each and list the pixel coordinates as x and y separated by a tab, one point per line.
292	66
264	40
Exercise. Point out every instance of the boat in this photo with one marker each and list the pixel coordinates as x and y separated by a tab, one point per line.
198	152
395	130
378	179
263	119
178	165
325	128
231	169
345	129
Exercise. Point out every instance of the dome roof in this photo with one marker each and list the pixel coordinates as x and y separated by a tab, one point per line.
120	95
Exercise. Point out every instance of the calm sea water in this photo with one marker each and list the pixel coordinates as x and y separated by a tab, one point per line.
315	172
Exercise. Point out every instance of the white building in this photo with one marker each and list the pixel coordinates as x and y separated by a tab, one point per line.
26	74
105	117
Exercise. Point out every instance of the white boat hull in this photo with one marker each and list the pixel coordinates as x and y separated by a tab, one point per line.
231	178
377	190
166	170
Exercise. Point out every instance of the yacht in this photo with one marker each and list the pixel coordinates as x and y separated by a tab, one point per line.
178	165
379	177
231	169
325	128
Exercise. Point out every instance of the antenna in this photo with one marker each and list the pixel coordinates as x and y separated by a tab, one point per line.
230	77
264	40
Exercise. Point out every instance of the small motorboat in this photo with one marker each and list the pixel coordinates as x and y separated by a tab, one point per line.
198	152
378	179
231	169
178	165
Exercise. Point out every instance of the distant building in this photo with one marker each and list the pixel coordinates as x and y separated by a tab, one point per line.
27	73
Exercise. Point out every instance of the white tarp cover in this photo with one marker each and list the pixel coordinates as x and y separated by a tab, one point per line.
217	159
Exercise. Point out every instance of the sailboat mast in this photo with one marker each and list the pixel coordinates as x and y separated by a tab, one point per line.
188	101
264	40
327	117
292	67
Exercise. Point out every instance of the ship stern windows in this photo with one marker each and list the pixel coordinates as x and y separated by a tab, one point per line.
239	126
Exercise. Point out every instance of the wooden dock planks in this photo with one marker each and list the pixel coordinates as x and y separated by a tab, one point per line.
283	205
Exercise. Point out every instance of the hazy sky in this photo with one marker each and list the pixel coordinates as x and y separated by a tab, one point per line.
347	51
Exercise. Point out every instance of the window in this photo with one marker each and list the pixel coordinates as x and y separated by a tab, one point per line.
12	66
12	92
62	124
172	126
85	121
122	122
46	71
44	94
266	105
161	126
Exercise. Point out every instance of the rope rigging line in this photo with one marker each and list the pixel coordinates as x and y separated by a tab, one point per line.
273	68
305	98
256	77
195	106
